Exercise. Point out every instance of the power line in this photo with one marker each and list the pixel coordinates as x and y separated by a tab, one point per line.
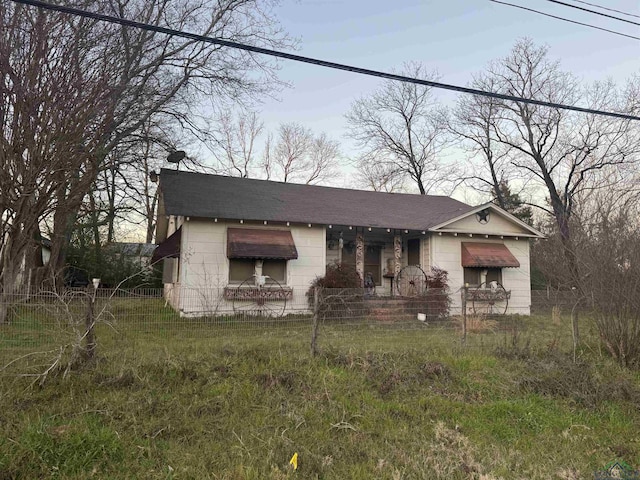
314	61
563	19
607	8
594	12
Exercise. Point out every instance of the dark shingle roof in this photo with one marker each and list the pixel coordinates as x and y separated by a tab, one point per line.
215	196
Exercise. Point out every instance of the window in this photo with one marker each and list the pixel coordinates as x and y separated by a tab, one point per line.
276	269
494	275
475	276
241	269
170	270
349	254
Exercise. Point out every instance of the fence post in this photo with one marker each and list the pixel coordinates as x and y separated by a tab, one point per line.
90	337
465	288
316	316
575	330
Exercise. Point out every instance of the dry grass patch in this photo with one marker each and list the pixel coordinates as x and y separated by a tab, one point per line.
479	324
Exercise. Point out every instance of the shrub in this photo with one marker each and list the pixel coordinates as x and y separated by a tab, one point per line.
337	275
341	293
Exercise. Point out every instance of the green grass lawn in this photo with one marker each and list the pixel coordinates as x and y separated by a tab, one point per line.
171	398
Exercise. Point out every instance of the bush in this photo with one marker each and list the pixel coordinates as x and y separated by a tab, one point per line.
337	275
341	294
111	267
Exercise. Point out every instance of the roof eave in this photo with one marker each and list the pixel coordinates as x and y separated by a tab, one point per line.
481	234
299	222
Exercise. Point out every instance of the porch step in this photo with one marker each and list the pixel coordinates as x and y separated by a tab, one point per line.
387	302
389	309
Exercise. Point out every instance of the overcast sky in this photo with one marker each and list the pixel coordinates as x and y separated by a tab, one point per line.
454	37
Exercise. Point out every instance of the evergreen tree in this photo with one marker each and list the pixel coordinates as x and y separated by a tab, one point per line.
511	202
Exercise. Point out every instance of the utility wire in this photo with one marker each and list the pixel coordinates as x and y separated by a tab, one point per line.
563	19
607	8
314	61
594	12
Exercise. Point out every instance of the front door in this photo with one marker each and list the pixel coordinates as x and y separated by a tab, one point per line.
413	251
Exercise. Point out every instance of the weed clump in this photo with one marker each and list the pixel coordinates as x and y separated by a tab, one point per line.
126	379
391	372
285	380
558	376
452	454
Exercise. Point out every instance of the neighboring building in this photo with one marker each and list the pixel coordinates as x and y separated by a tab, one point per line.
137	253
31	271
128	264
216	232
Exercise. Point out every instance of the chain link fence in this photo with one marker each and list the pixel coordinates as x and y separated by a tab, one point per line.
44	328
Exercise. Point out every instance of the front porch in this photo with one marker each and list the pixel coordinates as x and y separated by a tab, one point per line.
378	254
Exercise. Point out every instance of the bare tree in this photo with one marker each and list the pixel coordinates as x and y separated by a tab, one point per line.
49	132
79	89
564	153
378	176
289	152
607	247
293	154
297	155
234	143
472	121
146	153
397	126
322	158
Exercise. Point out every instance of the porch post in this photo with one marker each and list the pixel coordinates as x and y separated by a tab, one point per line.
360	256
397	254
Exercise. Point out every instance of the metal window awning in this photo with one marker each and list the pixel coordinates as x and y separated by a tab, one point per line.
170	248
487	255
259	243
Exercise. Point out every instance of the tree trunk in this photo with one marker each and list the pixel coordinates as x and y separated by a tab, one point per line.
95	227
562	214
63	221
8	290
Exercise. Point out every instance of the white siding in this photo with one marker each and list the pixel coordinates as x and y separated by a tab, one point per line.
204	266
497	225
446	253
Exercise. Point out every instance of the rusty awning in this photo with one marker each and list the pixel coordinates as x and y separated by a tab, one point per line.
259	243
487	255
170	248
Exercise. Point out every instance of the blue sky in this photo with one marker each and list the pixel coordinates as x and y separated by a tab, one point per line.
454	37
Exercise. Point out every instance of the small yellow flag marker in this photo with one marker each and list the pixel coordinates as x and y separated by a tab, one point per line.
294	461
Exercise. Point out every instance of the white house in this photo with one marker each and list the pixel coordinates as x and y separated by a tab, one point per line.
221	236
